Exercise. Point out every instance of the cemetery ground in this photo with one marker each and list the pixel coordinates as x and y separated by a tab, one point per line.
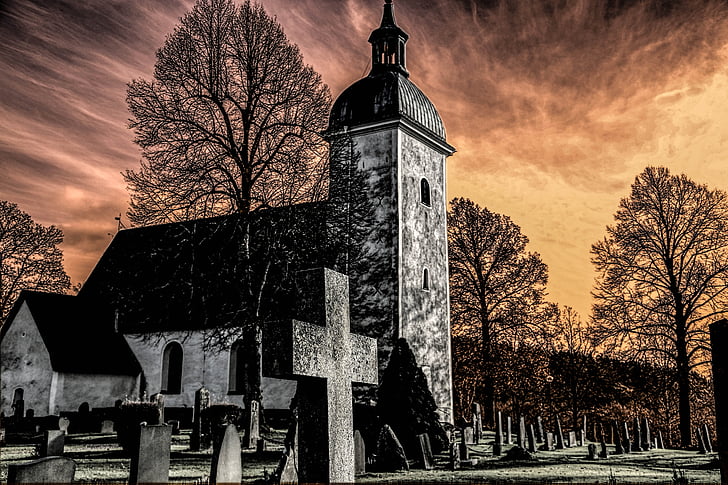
99	459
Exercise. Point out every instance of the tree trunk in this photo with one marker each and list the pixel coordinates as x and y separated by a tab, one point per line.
683	383
488	385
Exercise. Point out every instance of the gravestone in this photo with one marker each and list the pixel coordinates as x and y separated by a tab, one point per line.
592	452
521	432
509	436
549	441
52	469
260	446
200	437
360	455
174	423
646	435
158	399
498	444
708	440
468	435
150	462
637	442
390	454
107	426
559	435
572	439
660	442
619	448
531	439
227	465
627	443
702	449
583	430
19	408
53	443
539	430
252	425
287	471
325	358
719	341
454	456
63	424
604	453
464	451
477	422
426	459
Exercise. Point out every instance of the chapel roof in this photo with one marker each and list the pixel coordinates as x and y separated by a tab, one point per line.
79	339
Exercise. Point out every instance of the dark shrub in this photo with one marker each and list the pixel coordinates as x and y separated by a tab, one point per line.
131	414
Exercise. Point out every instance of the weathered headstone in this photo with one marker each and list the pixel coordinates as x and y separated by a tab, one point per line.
592	452
107	426
150	462
646	435
509	435
227	465
477	422
637	442
531	439
52	469
572	439
158	399
627	443
468	435
708	440
539	430
426	459
454	456
583	431
559	435
200	437
252	425
53	443
522	432
325	358
360	454
390	454
661	442
64	423
619	447
604	453
549	441
702	449
719	342
498	444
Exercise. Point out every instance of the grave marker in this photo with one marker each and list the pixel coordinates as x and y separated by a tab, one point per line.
454	456
158	399
531	439
637	443
252	425
426	458
549	441
708	441
468	435
604	453
107	426
325	358
592	452
150	462
646	435
390	454
63	424
53	469
200	437
53	443
539	430
360	455
227	465
509	439
619	448
702	449
521	432
572	439
627	445
559	435
498	445
477	422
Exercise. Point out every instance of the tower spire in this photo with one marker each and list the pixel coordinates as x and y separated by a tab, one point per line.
388	44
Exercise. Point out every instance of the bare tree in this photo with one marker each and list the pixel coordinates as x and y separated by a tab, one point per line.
29	257
497	289
663	275
231	121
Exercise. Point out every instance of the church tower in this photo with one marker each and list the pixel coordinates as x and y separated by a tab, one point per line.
398	139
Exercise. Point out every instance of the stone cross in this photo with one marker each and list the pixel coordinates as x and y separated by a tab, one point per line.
718	341
325	359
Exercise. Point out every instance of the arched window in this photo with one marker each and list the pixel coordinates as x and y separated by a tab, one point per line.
172	369
425	192
236	375
425	279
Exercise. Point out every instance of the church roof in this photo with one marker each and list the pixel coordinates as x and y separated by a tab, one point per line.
200	274
385	96
79	339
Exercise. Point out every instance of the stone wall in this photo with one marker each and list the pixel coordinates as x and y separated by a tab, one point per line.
25	363
99	391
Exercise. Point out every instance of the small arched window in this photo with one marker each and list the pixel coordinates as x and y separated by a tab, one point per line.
236	372
425	279
172	369
425	192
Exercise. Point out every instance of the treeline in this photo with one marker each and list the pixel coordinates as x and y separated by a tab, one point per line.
537	380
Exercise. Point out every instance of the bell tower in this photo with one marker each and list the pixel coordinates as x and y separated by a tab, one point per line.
401	290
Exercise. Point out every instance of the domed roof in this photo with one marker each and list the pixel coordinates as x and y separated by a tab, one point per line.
385	95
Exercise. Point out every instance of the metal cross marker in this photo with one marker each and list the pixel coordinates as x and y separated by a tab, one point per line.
325	358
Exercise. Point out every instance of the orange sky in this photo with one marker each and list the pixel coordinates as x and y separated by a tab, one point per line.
554	106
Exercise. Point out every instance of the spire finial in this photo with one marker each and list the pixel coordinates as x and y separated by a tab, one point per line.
388	51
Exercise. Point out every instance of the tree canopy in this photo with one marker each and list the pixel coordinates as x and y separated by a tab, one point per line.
29	257
230	122
663	275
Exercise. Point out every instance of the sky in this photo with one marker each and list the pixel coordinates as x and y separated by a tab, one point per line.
554	106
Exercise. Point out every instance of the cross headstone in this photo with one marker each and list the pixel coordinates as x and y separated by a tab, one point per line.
150	462
708	441
531	439
325	358
539	430
509	435
200	437
464	452
559	435
52	469
53	443
227	465
719	341
360	455
252	425
498	445
426	458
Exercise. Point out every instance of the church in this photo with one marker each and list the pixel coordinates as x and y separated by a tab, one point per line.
161	311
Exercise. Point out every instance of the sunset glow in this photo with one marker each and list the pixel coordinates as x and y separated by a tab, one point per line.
554	107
